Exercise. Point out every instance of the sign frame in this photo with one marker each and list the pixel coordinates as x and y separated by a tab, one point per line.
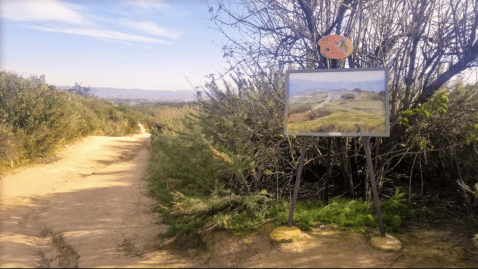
343	72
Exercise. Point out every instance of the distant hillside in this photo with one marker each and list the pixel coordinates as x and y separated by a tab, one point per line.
115	93
300	85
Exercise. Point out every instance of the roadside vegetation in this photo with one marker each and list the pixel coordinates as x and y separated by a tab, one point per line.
36	119
224	163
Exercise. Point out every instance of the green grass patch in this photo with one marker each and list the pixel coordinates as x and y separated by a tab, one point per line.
351	214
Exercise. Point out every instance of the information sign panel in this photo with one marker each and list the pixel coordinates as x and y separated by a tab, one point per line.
337	102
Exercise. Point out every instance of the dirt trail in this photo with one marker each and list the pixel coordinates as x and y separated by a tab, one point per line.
87	209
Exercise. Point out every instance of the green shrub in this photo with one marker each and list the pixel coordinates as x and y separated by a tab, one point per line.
36	118
240	214
37	112
394	212
247	123
191	195
192	167
449	155
188	188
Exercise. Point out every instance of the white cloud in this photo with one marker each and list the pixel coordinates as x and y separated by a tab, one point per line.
102	34
47	10
146	4
151	28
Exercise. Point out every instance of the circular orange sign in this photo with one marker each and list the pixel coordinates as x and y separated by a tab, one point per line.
335	47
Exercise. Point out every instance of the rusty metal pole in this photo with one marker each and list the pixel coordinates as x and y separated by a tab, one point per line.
297	180
374	186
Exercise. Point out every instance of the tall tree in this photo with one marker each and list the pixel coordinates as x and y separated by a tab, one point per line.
423	43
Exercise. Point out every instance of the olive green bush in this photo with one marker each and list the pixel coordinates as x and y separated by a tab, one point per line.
37	113
443	133
240	214
209	162
35	118
182	160
247	123
184	175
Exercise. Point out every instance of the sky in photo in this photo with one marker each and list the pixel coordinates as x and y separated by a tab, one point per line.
151	45
140	44
365	80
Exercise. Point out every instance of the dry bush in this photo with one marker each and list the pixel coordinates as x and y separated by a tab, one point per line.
247	123
441	140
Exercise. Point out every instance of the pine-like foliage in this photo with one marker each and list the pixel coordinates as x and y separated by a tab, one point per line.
182	160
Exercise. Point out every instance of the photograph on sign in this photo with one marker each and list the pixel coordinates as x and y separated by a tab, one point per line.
337	102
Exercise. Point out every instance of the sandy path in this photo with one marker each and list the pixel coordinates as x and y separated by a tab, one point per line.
89	210
94	199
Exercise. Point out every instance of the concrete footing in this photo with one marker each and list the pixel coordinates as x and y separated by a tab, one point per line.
284	234
387	243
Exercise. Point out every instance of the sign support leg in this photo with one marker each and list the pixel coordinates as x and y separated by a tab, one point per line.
327	172
374	186
297	180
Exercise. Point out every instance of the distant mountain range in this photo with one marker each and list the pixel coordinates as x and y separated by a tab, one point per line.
160	96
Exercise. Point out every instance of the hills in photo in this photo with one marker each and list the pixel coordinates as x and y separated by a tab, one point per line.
298	86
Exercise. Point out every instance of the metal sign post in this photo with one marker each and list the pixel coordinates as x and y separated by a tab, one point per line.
327	172
374	186
297	180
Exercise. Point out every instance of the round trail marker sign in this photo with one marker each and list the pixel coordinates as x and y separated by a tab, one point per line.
335	47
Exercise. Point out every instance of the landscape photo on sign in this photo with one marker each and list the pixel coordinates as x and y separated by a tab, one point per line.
335	46
347	102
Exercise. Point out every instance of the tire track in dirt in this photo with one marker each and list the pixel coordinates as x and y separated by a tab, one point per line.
88	209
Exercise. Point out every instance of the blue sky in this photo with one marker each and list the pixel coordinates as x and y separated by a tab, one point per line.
151	45
142	44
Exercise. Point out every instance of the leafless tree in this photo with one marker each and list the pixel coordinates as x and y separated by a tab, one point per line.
423	43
